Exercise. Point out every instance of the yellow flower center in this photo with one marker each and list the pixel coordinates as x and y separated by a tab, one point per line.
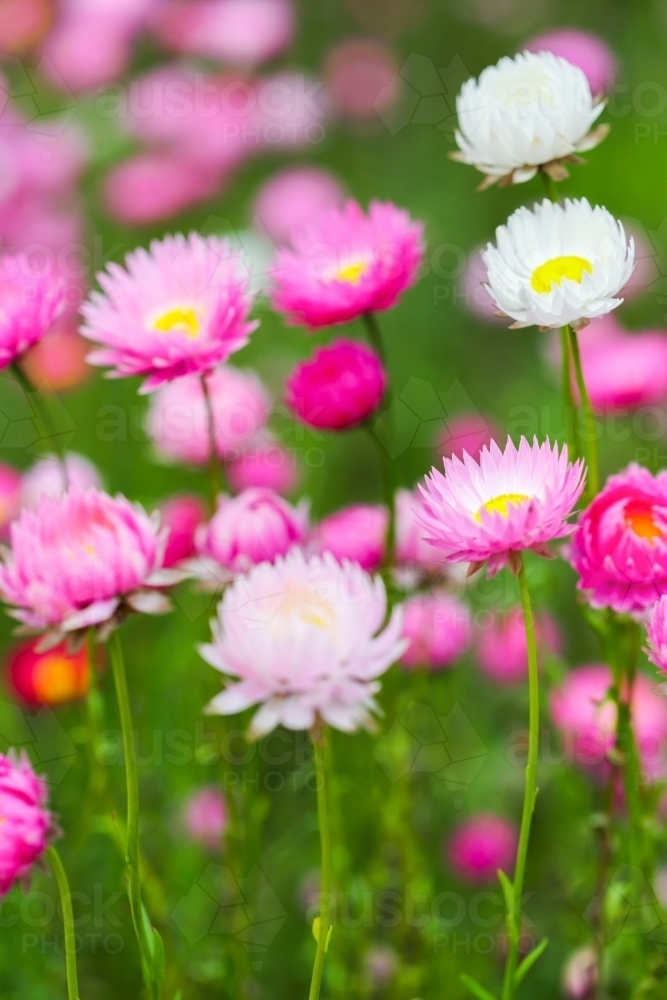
308	606
180	319
553	271
638	516
501	504
352	272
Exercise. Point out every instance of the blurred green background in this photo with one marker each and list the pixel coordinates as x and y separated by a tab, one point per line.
390	831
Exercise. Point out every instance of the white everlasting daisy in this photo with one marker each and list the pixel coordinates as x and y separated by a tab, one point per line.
558	264
524	114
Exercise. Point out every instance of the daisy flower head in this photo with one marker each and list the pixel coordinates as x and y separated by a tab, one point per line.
27	825
487	511
179	308
347	263
83	560
305	639
525	114
30	303
619	548
558	264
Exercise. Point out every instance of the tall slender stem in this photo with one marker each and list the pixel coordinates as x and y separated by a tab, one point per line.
624	666
388	470
568	399
141	927
530	791
214	470
590	442
319	737
68	921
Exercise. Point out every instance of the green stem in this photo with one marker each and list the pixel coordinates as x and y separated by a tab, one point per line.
624	667
568	399
141	927
68	921
43	416
214	469
530	792
549	186
388	470
319	737
590	442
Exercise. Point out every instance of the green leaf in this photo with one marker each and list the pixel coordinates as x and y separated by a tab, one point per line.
508	890
529	961
475	988
158	967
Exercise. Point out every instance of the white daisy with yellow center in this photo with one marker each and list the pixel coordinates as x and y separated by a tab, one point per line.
558	264
526	114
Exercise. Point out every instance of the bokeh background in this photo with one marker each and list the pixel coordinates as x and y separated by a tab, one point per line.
383	128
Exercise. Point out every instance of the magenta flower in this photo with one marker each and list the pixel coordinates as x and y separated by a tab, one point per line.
179	308
438	629
30	303
205	817
266	464
357	533
26	825
181	516
84	559
340	386
620	546
656	629
347	263
502	653
482	845
255	526
506	502
178	420
582	708
306	640
624	371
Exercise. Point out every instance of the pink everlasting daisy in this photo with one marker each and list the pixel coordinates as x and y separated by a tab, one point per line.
303	638
348	263
179	308
82	560
30	303
27	825
505	502
656	629
620	546
339	387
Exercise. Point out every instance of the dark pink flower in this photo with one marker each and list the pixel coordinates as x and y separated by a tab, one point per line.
340	386
482	845
26	822
619	548
357	533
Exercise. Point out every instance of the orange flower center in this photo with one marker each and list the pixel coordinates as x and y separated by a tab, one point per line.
57	678
638	516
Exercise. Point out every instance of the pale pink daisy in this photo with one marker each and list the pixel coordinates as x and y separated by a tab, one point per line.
84	559
347	263
491	509
179	308
306	639
30	303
